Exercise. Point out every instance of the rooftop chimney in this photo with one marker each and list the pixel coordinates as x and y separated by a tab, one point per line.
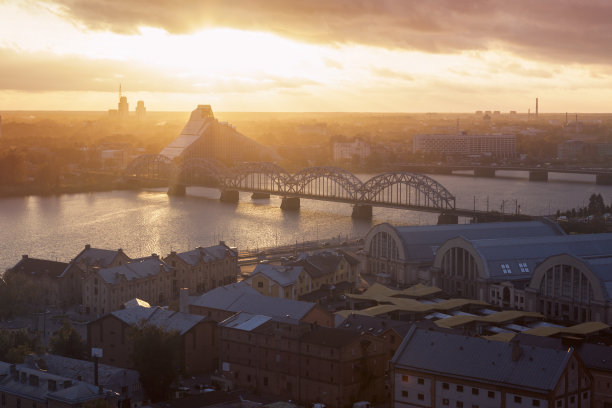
184	300
87	246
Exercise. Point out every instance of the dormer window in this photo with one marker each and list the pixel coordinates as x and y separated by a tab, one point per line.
506	268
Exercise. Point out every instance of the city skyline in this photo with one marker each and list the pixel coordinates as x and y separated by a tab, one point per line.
386	56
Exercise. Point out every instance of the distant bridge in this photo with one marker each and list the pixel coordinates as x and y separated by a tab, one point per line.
402	190
602	176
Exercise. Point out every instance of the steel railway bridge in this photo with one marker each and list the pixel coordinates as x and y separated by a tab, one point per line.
402	190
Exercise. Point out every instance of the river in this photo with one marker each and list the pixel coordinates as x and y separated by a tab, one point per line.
149	221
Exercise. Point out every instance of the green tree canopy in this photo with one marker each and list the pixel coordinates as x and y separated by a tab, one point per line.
68	342
157	355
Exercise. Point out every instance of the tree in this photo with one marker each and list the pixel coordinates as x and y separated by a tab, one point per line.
14	345
68	342
156	357
596	204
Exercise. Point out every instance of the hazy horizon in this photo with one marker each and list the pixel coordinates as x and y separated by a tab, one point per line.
321	56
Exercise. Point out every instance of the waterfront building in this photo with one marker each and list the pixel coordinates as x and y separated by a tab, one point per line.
404	255
150	279
205	137
111	333
301	362
21	386
433	368
90	258
225	301
358	149
49	283
315	277
566	277
203	269
496	145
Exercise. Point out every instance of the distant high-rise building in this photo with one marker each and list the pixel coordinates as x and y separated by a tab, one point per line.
141	111
0	125
123	109
536	108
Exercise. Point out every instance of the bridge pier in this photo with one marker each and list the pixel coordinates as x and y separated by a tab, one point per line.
290	203
177	190
229	196
445	218
603	179
484	172
538	175
362	212
256	196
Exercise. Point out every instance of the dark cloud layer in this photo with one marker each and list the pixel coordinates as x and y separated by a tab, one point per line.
556	30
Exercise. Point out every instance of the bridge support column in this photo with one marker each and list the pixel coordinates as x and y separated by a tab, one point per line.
177	190
448	219
229	196
362	212
290	203
538	175
484	172
256	196
603	179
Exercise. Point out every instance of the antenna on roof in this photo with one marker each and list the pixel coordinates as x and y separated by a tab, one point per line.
119	90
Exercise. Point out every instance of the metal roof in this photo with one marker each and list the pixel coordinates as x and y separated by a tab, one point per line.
208	254
156	316
245	321
138	269
283	275
536	369
421	242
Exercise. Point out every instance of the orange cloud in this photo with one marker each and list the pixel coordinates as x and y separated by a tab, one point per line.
569	31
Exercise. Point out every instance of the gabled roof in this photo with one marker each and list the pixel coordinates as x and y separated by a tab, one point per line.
156	316
245	321
241	297
96	256
39	267
222	297
319	264
140	268
208	254
283	275
536	369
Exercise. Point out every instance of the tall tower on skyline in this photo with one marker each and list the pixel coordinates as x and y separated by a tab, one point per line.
536	108
123	108
141	110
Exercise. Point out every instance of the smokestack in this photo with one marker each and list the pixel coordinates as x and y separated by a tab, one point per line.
184	300
536	108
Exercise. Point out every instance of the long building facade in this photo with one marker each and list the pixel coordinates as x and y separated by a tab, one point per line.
496	145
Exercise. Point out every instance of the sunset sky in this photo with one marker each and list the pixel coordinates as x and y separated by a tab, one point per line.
315	55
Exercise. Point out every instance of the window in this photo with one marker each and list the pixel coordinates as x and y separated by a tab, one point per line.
421	397
585	395
559	403
260	284
460	388
445	401
459	404
535	403
445	386
405	394
421	381
506	268
518	399
572	399
524	267
475	391
491	394
404	378
265	381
